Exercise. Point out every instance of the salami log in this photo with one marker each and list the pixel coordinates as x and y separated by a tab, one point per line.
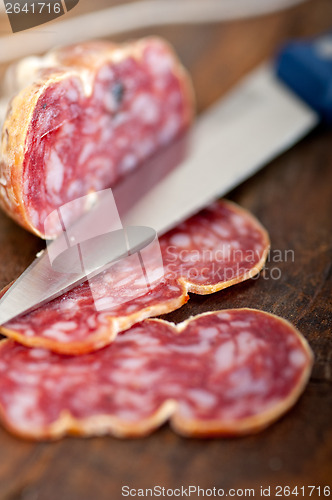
228	372
220	246
81	117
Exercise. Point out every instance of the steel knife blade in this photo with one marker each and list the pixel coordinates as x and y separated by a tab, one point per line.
238	135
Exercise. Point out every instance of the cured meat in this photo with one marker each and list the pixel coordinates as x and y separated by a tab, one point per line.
82	117
228	372
220	246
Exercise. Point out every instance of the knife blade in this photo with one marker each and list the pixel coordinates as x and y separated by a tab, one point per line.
257	121
231	141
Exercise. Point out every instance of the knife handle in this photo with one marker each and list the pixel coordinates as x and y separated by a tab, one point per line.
306	67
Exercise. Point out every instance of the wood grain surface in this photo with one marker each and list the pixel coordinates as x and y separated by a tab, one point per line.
292	198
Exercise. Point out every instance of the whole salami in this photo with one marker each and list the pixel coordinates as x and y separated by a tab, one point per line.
229	372
82	117
219	247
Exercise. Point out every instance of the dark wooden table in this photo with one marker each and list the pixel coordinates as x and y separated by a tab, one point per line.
292	198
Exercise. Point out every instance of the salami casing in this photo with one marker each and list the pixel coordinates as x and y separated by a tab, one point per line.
228	372
82	117
219	247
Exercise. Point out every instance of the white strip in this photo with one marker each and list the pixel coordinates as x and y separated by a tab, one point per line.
241	133
132	16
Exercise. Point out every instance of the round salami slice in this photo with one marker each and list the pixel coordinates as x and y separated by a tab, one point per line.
82	117
228	372
220	246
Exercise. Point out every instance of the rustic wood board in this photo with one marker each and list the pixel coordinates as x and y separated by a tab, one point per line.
292	198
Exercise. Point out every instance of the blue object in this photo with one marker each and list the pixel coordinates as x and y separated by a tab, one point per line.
306	67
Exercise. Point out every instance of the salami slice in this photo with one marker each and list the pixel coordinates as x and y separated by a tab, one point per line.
220	246
228	372
82	117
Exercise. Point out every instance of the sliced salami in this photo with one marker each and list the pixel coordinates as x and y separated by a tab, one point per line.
82	117
220	246
229	372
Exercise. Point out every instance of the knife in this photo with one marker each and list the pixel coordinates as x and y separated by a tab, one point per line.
264	115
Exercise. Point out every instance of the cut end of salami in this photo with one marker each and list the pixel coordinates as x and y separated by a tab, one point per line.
219	247
229	372
82	117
